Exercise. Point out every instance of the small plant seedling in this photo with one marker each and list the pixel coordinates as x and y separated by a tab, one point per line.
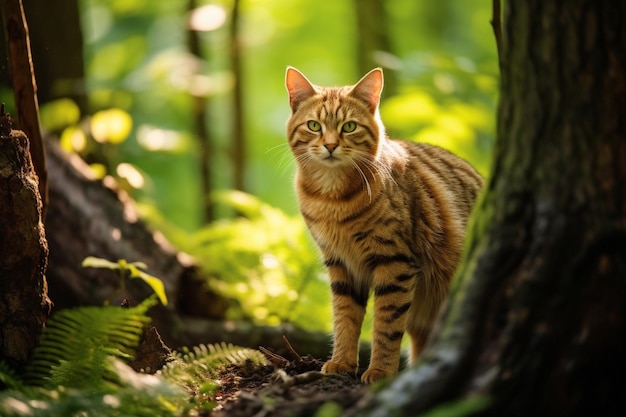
125	270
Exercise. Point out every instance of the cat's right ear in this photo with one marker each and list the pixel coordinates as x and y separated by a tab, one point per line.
299	88
369	89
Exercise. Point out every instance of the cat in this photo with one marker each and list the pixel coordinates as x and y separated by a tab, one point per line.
389	217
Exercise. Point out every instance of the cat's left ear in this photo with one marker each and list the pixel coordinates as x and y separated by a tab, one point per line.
298	86
369	88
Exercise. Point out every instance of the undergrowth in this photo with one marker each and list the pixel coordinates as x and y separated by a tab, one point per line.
79	368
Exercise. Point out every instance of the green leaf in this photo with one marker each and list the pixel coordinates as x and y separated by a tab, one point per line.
155	283
93	262
140	265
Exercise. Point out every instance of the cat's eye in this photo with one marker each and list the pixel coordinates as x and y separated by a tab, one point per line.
348	127
314	126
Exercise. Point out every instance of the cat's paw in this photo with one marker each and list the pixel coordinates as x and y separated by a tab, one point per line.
373	374
332	367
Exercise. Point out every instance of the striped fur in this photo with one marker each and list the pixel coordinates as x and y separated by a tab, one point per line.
389	217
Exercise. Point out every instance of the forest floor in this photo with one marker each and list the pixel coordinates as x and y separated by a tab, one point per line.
280	387
290	388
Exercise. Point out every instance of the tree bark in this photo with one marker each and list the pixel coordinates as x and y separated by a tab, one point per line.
25	88
24	302
536	320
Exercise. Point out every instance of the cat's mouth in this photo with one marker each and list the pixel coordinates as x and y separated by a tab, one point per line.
331	159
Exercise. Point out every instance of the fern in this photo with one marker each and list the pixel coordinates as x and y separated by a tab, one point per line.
138	395
78	369
75	347
193	369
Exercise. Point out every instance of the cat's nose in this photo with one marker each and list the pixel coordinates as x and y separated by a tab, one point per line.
331	146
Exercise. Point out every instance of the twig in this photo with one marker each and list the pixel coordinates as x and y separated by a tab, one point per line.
275	358
496	24
304	378
296	357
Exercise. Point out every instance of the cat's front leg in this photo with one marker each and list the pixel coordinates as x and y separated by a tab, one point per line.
393	293
348	311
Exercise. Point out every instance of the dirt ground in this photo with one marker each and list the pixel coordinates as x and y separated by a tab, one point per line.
282	388
294	388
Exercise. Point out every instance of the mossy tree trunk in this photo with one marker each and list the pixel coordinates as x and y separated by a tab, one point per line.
536	320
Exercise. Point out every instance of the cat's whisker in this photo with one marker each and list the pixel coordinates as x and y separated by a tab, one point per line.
364	177
283	153
376	170
380	168
304	161
286	161
275	147
369	169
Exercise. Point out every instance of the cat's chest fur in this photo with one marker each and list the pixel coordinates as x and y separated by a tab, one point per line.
347	231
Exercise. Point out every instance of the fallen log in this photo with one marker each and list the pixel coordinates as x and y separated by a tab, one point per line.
88	217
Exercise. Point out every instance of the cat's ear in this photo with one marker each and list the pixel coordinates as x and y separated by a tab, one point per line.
369	89
298	86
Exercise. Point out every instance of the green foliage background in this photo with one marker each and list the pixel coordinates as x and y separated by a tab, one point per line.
141	86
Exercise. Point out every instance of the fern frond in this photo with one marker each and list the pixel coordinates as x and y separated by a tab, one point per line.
76	343
205	361
140	395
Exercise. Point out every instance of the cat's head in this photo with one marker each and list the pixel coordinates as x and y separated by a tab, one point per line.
334	126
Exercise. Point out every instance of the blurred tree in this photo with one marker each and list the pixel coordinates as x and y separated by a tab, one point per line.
373	42
536	323
201	115
238	139
57	44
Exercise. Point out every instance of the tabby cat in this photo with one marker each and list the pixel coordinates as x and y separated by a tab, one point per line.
388	216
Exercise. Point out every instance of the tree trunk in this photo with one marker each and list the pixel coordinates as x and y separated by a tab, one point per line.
373	42
201	109
24	302
57	44
25	88
238	131
536	320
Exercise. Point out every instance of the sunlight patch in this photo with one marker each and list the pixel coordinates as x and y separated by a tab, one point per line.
207	18
155	139
112	125
131	174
